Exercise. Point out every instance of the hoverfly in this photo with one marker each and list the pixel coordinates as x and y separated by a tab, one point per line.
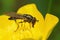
30	19
26	17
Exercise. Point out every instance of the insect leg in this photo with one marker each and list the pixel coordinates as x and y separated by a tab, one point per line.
17	24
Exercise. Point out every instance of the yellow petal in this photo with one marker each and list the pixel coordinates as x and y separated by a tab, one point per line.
7	25
50	23
31	9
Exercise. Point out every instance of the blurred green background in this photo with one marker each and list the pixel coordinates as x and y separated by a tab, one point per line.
51	6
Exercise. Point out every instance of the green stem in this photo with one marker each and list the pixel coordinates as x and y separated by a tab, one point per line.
49	6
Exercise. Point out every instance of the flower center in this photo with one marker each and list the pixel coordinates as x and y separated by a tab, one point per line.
23	25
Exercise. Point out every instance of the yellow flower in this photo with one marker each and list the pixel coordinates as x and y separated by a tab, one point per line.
41	30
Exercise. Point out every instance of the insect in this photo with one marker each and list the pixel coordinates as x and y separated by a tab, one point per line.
30	19
26	17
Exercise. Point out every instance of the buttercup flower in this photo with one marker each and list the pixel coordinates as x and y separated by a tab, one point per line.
41	30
